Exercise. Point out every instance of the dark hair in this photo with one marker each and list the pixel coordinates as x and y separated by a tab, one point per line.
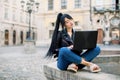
60	20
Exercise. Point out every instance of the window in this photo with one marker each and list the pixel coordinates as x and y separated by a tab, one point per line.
63	4
33	36
113	4
99	4
21	17
14	2
113	1
50	33
34	19
14	15
52	24
117	4
27	18
5	0
77	3
76	23
50	4
6	13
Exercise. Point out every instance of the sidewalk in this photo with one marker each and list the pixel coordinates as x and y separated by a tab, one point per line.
16	65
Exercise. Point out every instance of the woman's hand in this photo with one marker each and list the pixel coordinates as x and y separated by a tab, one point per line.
70	47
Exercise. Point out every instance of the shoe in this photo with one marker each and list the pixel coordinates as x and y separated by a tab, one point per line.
94	68
72	68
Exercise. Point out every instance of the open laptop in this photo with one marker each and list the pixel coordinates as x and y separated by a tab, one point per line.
85	40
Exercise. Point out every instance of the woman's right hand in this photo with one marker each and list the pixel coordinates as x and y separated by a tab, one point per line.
70	47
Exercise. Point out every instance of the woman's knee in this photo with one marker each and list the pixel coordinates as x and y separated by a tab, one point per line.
62	50
97	50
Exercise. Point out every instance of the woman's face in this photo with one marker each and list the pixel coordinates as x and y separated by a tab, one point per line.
69	23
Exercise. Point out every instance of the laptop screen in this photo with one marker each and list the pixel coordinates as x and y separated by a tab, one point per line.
85	39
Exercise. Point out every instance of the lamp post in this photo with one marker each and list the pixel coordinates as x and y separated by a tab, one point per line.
90	5
29	6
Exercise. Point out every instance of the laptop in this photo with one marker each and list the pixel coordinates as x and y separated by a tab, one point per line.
85	40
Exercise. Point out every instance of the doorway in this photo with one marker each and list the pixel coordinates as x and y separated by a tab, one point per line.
14	37
33	36
21	37
6	37
100	36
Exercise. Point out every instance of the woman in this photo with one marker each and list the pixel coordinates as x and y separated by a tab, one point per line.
62	44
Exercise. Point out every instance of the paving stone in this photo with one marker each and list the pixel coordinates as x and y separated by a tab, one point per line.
17	65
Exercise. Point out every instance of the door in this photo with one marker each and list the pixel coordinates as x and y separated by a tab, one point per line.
6	37
21	37
14	37
100	36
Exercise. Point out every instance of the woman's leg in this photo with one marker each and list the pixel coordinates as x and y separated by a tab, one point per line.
66	57
89	55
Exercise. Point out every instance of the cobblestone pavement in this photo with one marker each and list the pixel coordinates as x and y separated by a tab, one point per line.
15	64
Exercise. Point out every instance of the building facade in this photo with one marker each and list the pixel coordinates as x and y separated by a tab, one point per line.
14	23
85	16
106	13
78	9
101	15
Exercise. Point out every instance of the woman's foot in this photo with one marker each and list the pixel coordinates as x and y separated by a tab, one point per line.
94	68
72	67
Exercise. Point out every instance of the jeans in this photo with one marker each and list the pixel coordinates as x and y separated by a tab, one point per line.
66	57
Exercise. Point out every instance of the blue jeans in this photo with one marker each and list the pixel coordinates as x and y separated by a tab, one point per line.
66	57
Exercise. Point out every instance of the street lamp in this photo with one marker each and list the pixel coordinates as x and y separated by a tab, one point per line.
29	6
90	5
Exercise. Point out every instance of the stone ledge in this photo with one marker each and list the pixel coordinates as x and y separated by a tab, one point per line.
53	73
107	58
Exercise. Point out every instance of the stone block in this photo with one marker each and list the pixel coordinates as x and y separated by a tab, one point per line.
53	73
107	58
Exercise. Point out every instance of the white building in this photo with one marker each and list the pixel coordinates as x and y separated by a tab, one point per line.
14	23
85	17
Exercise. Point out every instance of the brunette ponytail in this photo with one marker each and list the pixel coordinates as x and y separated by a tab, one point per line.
54	36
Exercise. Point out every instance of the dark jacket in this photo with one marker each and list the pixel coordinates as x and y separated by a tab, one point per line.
64	40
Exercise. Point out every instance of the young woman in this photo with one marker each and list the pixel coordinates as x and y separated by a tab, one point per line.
62	44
